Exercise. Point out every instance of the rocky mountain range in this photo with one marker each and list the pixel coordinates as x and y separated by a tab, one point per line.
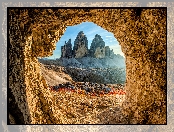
71	69
90	62
80	49
98	64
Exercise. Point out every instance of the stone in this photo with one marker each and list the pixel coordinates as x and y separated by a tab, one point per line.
66	50
87	89
81	52
111	53
61	85
72	87
99	52
55	88
107	51
97	48
107	89
80	48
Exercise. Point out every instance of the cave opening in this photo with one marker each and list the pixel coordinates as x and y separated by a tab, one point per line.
99	65
140	70
87	64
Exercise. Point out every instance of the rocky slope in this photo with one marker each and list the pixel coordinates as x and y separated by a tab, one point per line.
109	75
90	62
80	72
54	75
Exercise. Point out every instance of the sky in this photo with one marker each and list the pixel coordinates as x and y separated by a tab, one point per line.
90	30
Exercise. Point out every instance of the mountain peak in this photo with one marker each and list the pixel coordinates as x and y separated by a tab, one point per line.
80	49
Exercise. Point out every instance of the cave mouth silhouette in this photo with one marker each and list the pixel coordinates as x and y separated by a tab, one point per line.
144	46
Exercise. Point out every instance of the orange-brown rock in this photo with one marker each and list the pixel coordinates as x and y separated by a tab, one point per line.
140	32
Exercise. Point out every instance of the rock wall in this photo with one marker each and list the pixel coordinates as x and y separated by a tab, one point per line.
66	50
99	52
80	48
140	32
97	48
107	51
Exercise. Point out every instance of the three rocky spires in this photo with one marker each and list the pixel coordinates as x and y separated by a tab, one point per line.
80	49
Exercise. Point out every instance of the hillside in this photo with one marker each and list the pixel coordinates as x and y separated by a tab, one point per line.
89	69
90	62
54	75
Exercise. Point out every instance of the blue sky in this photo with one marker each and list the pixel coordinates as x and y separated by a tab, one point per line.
90	30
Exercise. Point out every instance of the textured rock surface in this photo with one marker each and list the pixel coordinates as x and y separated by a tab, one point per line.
82	51
80	48
97	48
99	52
66	50
107	51
140	32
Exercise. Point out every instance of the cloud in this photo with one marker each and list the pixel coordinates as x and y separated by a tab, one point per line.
108	36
